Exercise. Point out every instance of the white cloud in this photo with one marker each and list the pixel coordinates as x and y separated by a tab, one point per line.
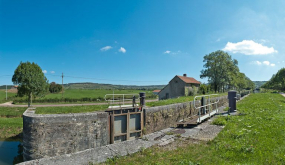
257	62
44	71
267	63
52	72
167	52
249	47
123	50
106	48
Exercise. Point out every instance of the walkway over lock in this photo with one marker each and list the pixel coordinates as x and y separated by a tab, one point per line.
206	110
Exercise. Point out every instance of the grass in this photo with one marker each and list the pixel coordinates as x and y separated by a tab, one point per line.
81	96
73	109
81	93
3	96
257	137
10	112
10	127
182	99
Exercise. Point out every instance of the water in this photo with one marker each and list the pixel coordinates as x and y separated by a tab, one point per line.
10	152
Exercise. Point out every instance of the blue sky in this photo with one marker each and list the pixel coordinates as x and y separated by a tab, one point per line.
139	42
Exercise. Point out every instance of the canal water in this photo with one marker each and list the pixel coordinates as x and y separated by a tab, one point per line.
10	152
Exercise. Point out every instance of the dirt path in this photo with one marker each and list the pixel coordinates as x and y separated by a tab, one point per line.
9	104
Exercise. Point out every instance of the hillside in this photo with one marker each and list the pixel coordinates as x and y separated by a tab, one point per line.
259	83
89	85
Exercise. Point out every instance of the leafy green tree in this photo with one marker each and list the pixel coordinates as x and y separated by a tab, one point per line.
220	69
31	80
54	88
277	81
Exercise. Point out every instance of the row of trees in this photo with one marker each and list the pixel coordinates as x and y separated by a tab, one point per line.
223	73
277	81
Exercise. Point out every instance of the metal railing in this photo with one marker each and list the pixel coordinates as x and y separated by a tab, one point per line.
122	99
208	104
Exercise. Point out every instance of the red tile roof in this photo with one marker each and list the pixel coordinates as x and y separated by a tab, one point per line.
189	80
156	91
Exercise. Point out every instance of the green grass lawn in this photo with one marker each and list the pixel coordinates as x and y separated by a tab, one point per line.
10	127
256	137
3	96
182	99
10	112
81	96
80	93
73	109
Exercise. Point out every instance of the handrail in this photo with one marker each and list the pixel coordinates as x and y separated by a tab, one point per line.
117	100
208	104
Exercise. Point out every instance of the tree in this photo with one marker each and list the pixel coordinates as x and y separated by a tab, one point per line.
277	81
31	80
54	88
220	69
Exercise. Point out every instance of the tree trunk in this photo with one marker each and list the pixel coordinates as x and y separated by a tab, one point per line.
29	100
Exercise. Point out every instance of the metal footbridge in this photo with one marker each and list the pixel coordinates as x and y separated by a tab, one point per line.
206	110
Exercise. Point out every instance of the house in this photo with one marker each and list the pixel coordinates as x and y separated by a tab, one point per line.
178	86
155	92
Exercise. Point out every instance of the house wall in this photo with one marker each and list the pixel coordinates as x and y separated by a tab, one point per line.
175	88
162	93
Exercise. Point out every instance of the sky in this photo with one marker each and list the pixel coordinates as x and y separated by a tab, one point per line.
139	42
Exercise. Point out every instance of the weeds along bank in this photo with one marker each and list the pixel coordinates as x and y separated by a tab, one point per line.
48	135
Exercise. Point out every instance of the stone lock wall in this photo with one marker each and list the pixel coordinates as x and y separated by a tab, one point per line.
59	134
53	135
158	118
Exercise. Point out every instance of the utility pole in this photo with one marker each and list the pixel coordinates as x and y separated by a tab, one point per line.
62	87
6	92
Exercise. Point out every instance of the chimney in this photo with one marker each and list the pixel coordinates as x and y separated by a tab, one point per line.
184	75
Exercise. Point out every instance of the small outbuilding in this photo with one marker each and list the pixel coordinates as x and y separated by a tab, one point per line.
155	92
178	86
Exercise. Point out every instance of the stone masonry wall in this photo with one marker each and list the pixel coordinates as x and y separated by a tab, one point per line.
158	118
53	135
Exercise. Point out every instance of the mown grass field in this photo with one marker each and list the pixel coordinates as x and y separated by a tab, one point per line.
256	137
94	93
81	96
3	96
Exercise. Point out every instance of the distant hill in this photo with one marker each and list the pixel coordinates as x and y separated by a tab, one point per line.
258	84
4	86
89	85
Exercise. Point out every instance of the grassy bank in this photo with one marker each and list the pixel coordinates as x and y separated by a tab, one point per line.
10	127
256	137
11	121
